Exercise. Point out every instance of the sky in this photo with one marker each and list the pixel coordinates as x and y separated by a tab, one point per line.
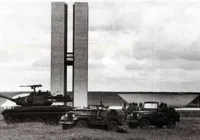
134	45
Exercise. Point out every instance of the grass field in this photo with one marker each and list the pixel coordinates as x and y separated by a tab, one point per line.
187	129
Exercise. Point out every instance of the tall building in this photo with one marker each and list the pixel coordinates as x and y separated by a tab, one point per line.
58	46
80	50
61	59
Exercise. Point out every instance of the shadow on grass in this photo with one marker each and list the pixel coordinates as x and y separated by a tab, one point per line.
104	128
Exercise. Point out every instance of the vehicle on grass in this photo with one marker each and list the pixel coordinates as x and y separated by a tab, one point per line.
94	116
153	114
36	107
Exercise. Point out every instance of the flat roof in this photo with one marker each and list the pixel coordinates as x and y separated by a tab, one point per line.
143	92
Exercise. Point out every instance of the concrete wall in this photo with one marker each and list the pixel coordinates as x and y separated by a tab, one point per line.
80	49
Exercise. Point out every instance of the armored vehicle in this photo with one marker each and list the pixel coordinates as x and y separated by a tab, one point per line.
111	119
36	107
153	114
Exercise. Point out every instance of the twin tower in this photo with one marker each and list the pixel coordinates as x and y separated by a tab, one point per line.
61	58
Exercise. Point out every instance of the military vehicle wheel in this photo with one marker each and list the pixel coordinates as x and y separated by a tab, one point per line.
144	123
51	121
171	124
82	124
65	126
132	125
113	126
159	126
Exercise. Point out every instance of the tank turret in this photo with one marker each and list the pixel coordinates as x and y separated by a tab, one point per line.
38	98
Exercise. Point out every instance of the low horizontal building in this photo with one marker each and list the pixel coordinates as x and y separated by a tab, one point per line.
175	99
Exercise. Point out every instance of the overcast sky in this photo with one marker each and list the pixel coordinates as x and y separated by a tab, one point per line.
133	45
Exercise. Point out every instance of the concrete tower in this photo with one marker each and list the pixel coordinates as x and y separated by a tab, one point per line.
60	58
80	50
58	47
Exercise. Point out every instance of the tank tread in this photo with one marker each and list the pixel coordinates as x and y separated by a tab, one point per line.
51	118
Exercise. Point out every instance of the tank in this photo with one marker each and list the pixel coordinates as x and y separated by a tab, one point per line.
36	107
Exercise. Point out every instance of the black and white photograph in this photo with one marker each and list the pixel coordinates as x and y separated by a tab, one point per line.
100	70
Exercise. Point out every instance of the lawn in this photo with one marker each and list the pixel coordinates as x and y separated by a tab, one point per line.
187	129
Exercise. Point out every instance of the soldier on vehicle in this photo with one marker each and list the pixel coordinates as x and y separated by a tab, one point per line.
101	104
133	107
140	106
161	106
124	108
99	111
129	108
165	110
161	110
125	111
165	105
136	107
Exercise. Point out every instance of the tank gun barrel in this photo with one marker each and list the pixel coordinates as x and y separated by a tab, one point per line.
5	97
